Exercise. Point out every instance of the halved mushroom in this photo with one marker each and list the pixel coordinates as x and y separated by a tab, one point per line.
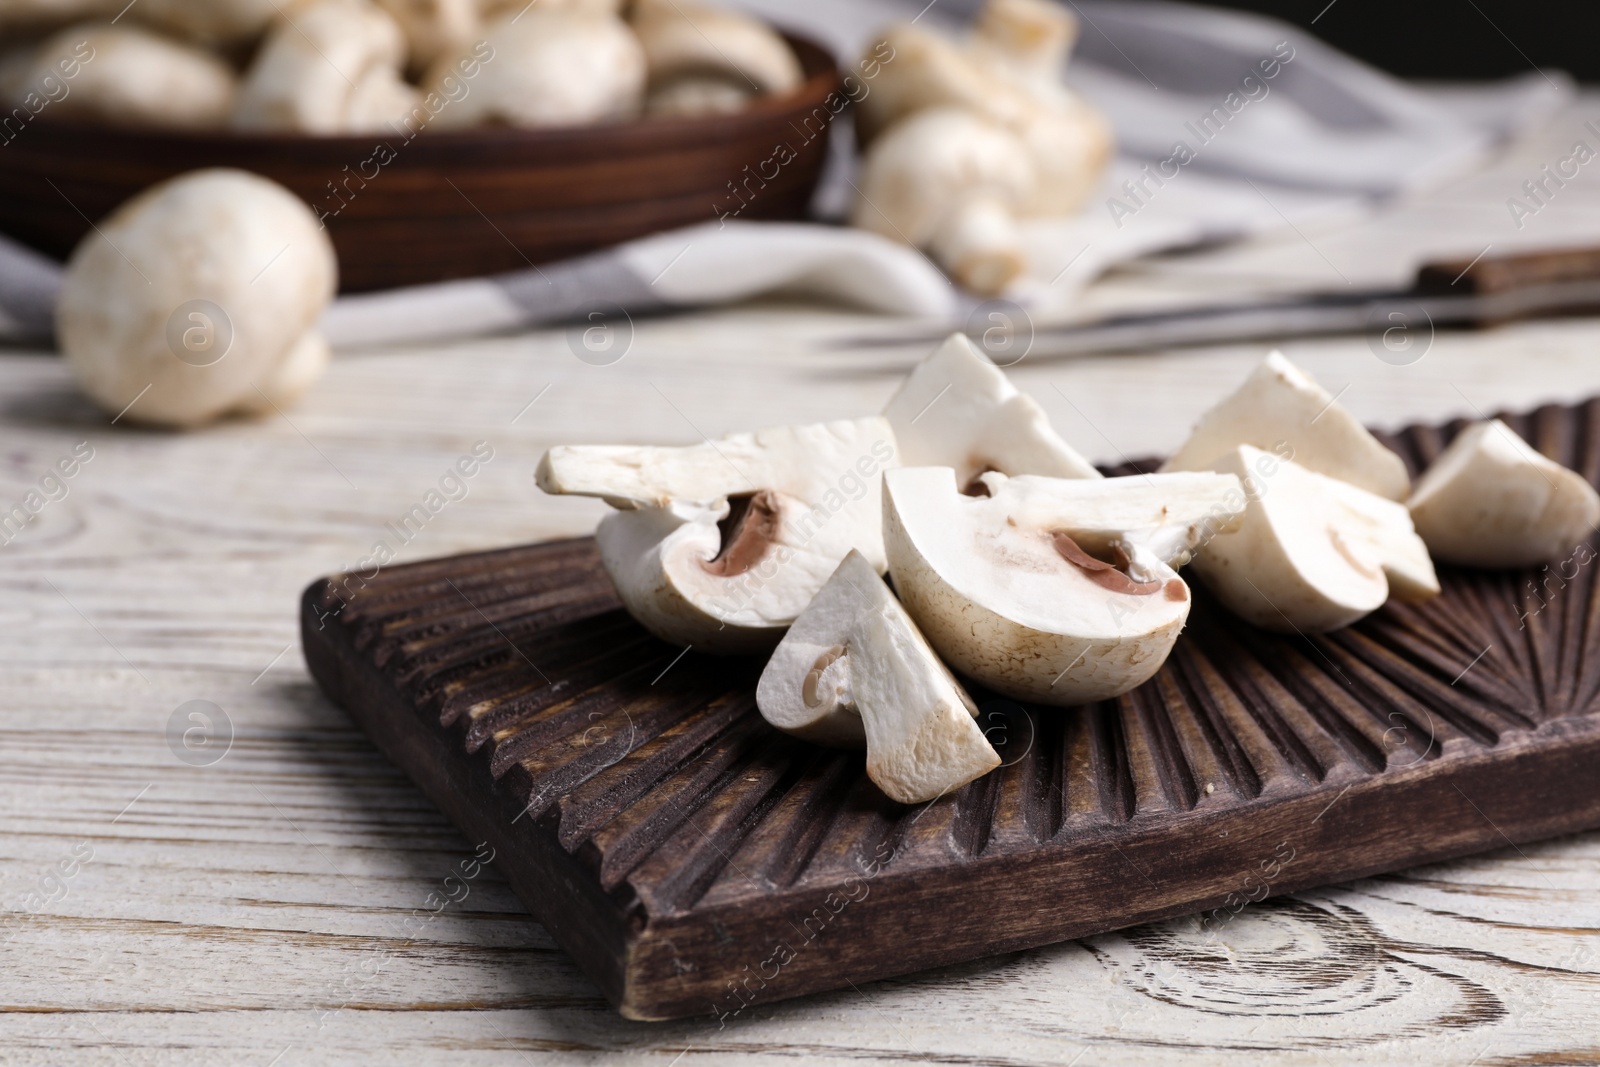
1281	408
950	182
197	298
1492	500
700	45
854	670
721	545
1056	590
334	67
1313	553
957	409
550	68
131	77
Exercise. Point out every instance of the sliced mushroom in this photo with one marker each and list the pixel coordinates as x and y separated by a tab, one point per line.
1313	553
198	298
331	68
1056	590
948	181
957	409
1281	408
682	39
1492	500
131	77
854	670
721	545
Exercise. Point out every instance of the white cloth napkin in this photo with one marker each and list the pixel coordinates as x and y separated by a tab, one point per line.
1323	136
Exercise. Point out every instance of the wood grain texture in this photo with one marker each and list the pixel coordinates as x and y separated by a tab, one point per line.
258	909
696	861
404	210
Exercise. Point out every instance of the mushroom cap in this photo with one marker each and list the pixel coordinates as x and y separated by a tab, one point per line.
215	22
957	409
34	15
151	280
928	70
1007	596
1280	406
323	69
922	165
1492	500
855	671
1070	145
1313	553
686	39
695	95
435	27
550	68
1030	38
131	77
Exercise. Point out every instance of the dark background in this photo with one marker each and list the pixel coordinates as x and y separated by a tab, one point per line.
1455	39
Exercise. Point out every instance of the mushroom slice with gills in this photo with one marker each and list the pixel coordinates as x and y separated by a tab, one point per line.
1492	500
949	181
546	68
683	39
1313	553
854	670
957	409
333	67
1055	590
1282	409
128	76
721	545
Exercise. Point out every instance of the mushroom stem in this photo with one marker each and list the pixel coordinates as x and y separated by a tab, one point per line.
979	245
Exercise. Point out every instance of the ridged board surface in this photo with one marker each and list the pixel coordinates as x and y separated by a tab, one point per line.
650	768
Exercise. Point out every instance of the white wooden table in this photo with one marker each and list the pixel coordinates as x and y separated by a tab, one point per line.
255	910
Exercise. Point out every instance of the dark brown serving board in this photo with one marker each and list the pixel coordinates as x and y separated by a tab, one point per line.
693	860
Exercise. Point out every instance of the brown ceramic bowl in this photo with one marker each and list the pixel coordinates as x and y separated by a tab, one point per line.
458	204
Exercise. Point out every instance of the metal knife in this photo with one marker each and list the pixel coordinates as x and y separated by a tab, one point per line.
1486	291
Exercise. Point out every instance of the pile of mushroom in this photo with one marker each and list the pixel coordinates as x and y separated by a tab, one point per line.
1016	566
963	139
326	67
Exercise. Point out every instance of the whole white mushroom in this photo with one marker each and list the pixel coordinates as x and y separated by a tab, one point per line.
334	67
128	76
198	298
549	68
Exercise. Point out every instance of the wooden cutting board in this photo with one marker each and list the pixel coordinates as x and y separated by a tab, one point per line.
695	861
